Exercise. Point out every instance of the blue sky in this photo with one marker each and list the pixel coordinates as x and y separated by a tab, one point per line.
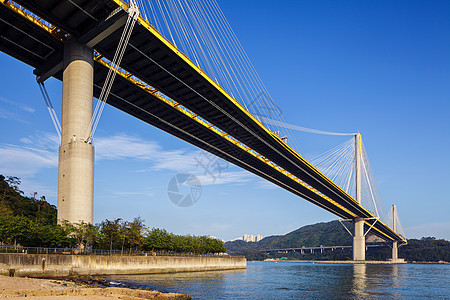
378	67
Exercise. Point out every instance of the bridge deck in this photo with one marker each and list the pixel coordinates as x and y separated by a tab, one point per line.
199	111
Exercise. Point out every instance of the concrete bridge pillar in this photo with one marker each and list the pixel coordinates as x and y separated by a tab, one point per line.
76	157
395	251
359	240
394	227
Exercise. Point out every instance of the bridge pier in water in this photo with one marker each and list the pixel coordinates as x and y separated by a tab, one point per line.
76	157
359	239
395	251
394	227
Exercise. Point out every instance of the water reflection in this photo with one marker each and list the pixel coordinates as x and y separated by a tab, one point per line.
395	277
293	280
376	280
359	280
197	284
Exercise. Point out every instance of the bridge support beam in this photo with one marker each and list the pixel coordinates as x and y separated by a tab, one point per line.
359	240
76	157
394	227
395	251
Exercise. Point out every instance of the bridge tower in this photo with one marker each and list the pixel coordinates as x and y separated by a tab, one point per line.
359	240
76	157
394	227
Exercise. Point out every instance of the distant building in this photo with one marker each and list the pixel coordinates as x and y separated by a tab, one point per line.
247	238
252	238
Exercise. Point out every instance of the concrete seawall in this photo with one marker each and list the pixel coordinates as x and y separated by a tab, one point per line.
65	265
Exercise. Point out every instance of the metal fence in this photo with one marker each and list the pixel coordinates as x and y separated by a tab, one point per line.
80	251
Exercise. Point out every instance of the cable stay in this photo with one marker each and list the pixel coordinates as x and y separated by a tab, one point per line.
133	13
201	31
399	227
393	221
265	120
50	108
338	164
370	188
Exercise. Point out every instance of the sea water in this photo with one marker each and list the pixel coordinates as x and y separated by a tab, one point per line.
296	280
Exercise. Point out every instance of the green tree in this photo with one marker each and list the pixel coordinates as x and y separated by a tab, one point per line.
124	231
136	230
83	233
110	232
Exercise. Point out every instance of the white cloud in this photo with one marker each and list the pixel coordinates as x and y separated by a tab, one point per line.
267	184
5	114
128	194
123	147
25	161
209	169
14	110
26	140
43	140
30	185
178	161
19	105
238	177
41	151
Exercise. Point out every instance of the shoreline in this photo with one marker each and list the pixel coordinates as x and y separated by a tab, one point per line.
76	288
59	265
386	262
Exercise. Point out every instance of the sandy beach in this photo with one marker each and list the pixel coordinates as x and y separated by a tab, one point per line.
34	288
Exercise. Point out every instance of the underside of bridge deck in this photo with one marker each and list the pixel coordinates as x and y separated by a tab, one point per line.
159	65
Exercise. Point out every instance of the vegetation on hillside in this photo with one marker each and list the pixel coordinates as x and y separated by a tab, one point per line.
333	234
31	222
424	249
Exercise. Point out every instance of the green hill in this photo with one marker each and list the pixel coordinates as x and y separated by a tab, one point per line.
13	203
334	234
326	234
32	222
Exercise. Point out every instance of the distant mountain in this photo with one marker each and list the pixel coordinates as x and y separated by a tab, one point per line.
326	234
334	234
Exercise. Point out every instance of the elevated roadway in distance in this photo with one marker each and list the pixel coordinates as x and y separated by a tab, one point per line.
161	86
320	248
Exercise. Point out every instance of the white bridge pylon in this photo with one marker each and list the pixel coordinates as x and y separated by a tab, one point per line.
79	122
348	166
76	153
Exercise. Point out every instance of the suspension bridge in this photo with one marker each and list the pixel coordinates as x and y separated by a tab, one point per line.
178	66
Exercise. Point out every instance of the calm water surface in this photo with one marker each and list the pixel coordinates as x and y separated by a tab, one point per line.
292	280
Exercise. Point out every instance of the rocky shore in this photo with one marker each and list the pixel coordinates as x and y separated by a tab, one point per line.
50	289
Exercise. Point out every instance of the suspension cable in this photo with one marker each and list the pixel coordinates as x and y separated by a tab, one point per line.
133	14
50	108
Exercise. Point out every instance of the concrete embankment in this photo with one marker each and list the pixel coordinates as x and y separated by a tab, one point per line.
67	265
